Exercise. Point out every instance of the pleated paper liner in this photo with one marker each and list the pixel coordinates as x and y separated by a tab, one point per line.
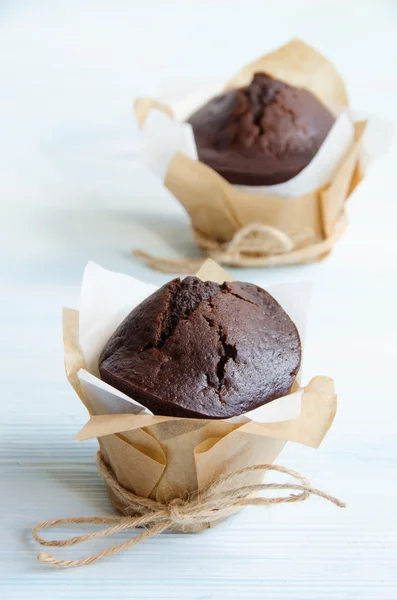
163	458
283	230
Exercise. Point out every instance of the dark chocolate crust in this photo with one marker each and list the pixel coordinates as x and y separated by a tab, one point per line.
261	134
199	349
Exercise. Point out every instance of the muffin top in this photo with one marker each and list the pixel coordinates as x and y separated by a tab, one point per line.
199	349
261	134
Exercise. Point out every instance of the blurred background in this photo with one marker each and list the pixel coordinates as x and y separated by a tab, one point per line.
69	72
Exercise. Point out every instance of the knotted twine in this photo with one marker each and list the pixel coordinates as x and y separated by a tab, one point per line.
255	245
218	501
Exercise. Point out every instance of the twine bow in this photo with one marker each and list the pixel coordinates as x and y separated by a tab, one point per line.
254	245
222	498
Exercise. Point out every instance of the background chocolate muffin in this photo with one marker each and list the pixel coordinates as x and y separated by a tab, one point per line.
199	349
261	134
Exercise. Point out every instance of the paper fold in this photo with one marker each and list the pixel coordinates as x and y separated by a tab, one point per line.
300	65
318	398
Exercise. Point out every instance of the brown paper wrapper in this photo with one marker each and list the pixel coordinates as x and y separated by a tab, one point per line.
219	210
167	457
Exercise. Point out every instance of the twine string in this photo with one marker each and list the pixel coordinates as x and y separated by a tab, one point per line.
218	501
254	245
259	237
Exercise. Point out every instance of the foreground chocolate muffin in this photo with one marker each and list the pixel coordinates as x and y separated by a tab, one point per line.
261	134
199	349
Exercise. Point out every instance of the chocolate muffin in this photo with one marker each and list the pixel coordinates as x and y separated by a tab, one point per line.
261	134
199	349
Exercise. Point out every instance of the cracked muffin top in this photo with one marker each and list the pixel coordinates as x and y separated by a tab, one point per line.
199	349
261	134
